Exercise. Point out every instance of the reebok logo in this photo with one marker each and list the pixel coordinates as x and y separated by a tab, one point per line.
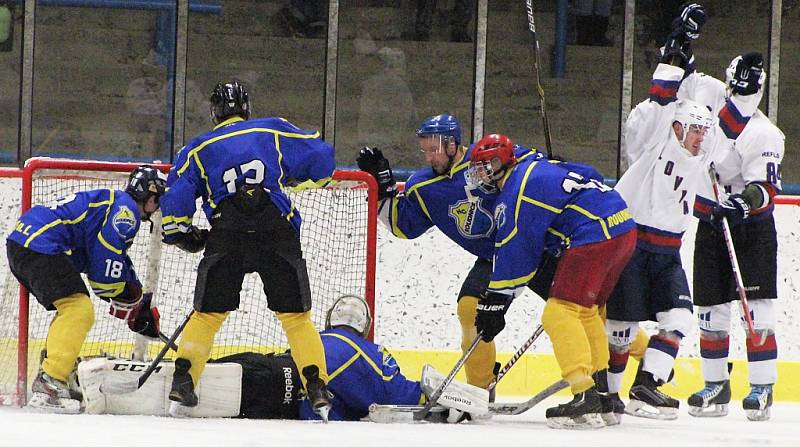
288	387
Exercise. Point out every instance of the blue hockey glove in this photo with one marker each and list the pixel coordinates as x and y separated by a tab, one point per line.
735	209
746	74
691	20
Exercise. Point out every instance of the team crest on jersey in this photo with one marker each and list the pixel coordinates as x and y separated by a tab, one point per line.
472	220
500	215
124	221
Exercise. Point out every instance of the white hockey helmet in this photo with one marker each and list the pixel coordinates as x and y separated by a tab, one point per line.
351	311
691	114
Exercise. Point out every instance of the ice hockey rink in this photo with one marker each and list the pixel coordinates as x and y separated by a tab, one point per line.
21	427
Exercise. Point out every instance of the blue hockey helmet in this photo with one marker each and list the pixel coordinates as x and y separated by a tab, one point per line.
444	124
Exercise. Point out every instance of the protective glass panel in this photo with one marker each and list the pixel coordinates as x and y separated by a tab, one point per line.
103	79
276	49
725	35
580	76
10	67
400	62
789	100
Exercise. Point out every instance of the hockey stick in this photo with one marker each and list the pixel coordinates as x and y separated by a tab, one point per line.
168	341
726	234
519	408
545	122
129	387
420	414
517	355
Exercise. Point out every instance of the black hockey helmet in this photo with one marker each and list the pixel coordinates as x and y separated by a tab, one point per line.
145	181
227	100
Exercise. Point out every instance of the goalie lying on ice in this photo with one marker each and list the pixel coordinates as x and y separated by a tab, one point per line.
259	386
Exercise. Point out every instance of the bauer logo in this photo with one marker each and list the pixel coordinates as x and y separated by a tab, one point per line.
124	222
472	221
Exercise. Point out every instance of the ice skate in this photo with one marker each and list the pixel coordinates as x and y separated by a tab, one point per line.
712	400
582	412
757	404
647	401
55	396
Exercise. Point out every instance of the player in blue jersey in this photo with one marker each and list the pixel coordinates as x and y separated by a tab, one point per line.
360	373
241	169
540	204
86	232
442	197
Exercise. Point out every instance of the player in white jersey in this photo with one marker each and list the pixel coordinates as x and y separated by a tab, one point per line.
750	175
669	144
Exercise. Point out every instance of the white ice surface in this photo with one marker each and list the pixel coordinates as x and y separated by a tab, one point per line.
21	427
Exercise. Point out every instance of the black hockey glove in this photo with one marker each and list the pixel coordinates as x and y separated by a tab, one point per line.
372	161
748	75
193	241
735	209
145	320
675	48
491	319
691	20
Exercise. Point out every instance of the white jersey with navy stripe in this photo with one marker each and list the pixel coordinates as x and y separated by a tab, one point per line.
663	177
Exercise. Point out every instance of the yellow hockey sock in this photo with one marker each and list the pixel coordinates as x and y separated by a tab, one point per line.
561	321
596	333
305	342
480	365
197	339
74	318
639	345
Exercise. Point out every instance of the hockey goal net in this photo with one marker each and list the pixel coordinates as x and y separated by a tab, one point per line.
338	239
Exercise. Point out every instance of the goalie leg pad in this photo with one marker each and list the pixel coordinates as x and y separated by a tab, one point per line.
457	395
219	391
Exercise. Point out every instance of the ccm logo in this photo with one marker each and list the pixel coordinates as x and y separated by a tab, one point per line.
133	367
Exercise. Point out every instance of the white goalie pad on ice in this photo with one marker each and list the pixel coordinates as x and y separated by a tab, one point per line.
457	395
219	391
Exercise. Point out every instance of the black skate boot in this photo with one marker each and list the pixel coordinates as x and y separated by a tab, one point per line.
712	400
757	404
613	407
582	412
182	393
647	401
53	395
317	392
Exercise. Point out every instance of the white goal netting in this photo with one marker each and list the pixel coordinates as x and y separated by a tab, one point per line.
338	239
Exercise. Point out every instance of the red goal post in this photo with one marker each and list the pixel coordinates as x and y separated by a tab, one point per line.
338	236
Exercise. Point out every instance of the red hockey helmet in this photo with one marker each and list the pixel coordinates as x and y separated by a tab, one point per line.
491	156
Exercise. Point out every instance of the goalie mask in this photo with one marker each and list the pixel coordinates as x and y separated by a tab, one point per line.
227	100
693	116
490	159
350	311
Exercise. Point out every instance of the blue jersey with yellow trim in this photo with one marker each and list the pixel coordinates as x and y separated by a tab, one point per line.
463	213
361	373
270	152
541	203
94	228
